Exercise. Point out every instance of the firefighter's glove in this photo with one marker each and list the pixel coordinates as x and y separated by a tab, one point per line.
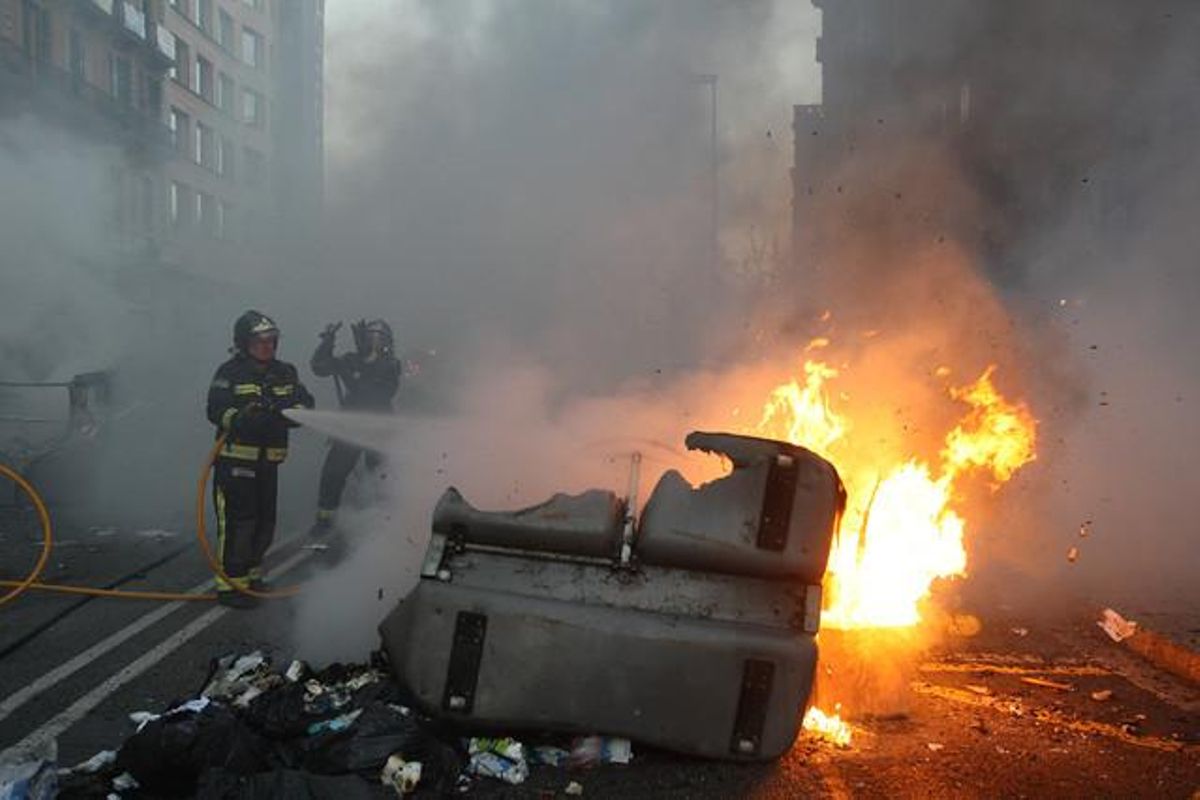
248	419
330	332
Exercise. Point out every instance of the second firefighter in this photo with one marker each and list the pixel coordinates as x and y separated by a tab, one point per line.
366	380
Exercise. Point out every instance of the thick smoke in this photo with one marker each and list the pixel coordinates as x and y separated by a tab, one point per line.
1020	177
529	184
524	190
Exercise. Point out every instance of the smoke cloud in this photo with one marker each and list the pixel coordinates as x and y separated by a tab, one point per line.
1018	176
524	191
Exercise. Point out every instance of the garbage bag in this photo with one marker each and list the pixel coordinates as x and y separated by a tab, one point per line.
280	713
376	734
31	775
169	754
222	784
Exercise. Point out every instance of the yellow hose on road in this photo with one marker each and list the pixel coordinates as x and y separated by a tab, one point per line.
31	580
47	536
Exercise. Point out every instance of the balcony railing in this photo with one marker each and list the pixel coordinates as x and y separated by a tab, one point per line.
132	19
69	98
164	43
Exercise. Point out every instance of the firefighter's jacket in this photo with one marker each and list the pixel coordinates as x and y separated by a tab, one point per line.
261	433
367	385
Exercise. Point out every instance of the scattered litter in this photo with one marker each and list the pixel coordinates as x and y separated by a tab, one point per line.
402	776
548	756
977	689
1073	555
574	789
1062	687
1022	632
935	747
1085	529
125	782
93	765
295	671
979	726
335	724
316	548
589	751
34	776
503	759
239	680
1117	627
1102	696
142	718
103	532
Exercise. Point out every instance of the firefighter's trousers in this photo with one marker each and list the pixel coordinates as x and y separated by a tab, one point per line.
244	493
339	463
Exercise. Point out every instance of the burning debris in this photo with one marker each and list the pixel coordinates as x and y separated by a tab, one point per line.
904	526
828	727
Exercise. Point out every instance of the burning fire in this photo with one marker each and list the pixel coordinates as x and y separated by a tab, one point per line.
828	726
901	530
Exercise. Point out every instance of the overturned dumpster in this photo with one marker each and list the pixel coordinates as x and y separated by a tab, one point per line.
691	629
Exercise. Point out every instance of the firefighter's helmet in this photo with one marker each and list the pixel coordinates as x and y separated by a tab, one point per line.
381	329
252	323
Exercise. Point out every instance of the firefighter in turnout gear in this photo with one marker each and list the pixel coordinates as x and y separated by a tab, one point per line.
366	380
245	401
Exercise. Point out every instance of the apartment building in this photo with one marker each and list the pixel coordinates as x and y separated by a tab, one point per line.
244	109
95	68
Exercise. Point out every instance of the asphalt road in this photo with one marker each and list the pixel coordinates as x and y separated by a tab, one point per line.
974	725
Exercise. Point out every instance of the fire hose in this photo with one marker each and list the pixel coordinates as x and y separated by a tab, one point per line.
30	581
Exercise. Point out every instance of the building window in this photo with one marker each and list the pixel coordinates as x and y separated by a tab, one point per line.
252	47
121	79
202	84
154	96
180	204
256	167
147	204
225	93
204	15
179	70
225	152
252	108
204	145
225	30
38	34
184	7
224	215
178	122
77	58
206	213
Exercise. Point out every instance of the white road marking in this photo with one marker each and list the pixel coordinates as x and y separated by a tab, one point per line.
69	668
76	711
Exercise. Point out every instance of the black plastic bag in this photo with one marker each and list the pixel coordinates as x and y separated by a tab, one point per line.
221	784
280	713
379	731
169	754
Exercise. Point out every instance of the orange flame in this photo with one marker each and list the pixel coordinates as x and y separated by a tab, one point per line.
829	727
900	532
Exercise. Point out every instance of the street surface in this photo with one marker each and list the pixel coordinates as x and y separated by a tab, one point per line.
974	727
